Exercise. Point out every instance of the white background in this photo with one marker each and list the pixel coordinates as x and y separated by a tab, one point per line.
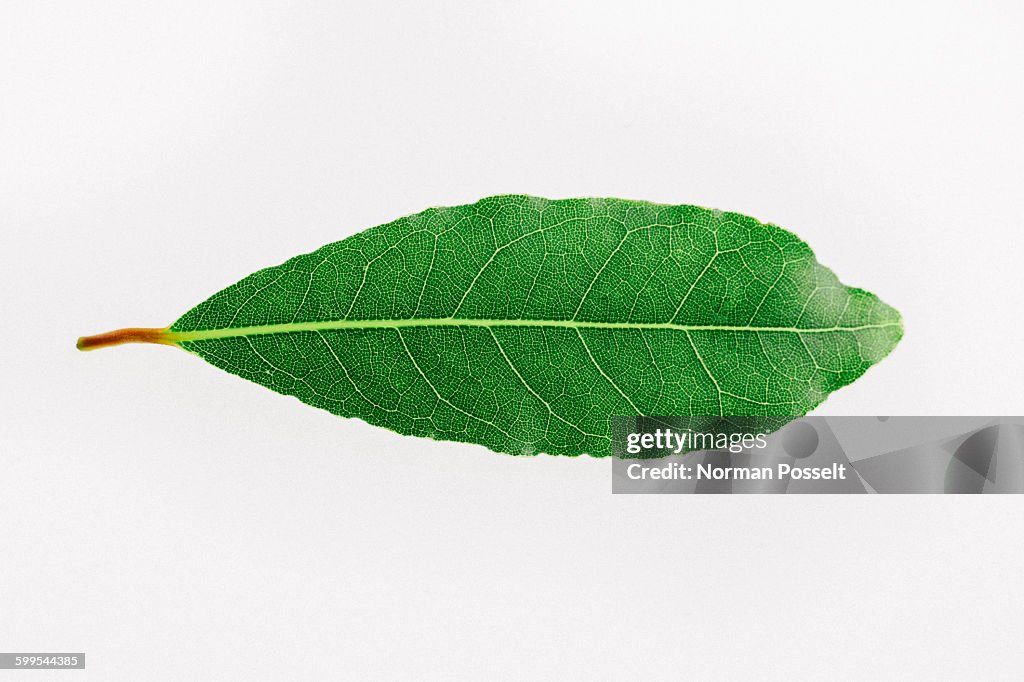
175	522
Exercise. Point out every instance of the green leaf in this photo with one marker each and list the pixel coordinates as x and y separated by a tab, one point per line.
524	324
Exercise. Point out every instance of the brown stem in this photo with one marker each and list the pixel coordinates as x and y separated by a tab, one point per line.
130	335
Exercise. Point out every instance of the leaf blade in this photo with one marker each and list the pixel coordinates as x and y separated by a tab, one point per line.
523	324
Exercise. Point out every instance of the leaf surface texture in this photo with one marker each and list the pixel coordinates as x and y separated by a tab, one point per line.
524	324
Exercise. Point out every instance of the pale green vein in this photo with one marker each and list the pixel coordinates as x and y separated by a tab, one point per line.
721	409
444	400
334	325
605	375
536	395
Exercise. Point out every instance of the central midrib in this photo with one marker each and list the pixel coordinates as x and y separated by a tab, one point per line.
334	325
